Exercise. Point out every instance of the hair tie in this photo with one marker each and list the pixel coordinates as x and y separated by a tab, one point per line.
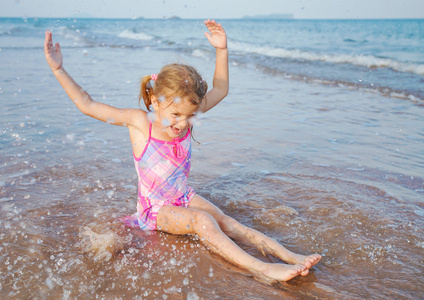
154	77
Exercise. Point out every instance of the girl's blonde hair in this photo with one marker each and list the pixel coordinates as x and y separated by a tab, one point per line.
174	80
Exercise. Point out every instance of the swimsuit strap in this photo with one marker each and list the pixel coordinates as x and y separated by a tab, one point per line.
147	144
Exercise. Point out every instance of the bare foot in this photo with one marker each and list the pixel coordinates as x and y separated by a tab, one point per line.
307	261
280	272
288	256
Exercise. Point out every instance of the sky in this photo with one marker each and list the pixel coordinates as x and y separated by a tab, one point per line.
217	9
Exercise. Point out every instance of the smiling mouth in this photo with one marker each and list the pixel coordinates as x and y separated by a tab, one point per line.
176	130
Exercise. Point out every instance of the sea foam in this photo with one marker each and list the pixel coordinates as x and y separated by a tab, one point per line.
368	61
129	34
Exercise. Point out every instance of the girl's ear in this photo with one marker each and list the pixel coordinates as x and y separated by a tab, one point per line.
155	102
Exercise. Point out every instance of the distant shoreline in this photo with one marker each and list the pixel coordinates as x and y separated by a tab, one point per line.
269	17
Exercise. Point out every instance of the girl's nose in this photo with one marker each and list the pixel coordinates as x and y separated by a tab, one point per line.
183	123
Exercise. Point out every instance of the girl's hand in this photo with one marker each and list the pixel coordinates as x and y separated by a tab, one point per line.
53	54
217	36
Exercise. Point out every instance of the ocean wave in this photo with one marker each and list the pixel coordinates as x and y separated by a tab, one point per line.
74	35
129	34
198	53
368	61
12	30
416	97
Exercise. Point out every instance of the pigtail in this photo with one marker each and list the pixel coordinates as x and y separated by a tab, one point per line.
146	91
203	89
205	86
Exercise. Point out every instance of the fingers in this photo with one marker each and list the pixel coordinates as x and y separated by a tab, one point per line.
48	44
52	52
214	29
57	47
208	36
48	39
212	25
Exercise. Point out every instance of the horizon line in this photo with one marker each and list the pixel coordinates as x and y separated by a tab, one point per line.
250	18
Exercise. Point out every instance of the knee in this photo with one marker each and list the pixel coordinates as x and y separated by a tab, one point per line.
227	224
204	222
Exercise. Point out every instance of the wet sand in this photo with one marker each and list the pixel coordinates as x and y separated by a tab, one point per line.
323	169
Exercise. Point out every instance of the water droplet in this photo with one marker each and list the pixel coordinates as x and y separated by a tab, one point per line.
151	117
235	164
165	122
70	136
192	296
49	283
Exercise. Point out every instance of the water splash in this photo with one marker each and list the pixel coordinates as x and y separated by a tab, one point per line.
151	117
166	122
101	243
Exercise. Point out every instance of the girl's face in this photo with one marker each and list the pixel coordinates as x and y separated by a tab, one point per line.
174	115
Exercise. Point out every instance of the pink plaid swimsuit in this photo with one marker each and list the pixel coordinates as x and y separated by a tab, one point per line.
162	171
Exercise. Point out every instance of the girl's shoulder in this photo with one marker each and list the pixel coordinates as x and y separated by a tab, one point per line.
139	129
139	117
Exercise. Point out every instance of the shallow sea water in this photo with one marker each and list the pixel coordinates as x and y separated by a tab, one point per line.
324	169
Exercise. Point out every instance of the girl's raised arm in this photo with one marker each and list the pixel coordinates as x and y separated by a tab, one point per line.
217	37
97	110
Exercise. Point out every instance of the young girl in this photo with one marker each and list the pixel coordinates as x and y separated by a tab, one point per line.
161	141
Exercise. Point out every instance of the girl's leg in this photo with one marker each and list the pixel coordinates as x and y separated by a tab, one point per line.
251	236
180	220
